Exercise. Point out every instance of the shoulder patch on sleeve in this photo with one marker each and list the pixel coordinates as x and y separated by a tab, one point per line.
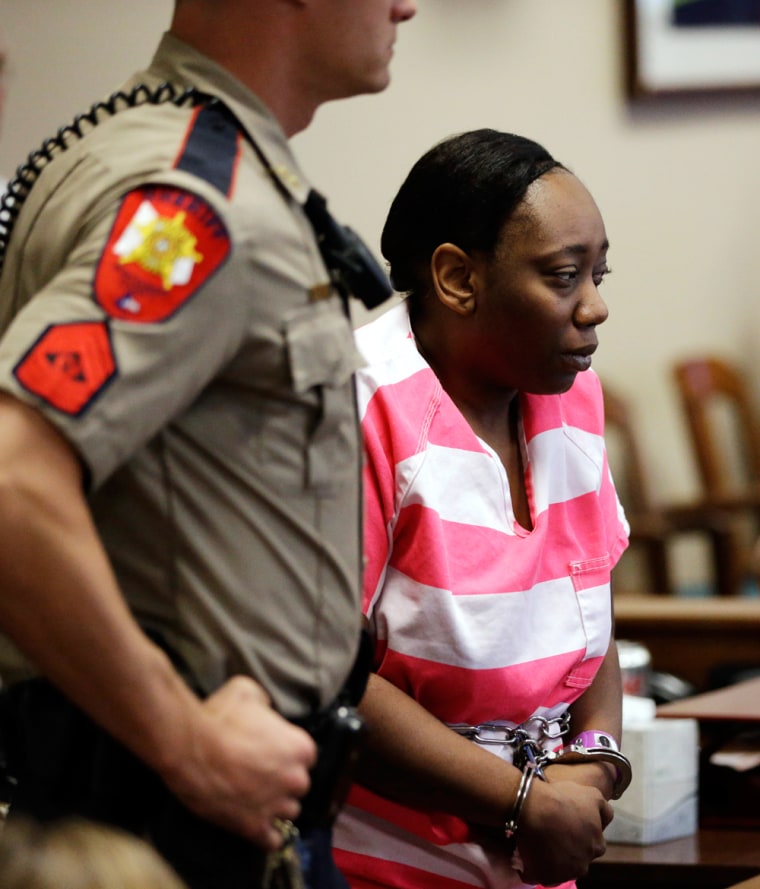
69	365
164	246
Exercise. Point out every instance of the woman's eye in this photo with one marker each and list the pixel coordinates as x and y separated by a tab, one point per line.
601	274
567	274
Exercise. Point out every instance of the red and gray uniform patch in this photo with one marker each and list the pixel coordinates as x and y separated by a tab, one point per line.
165	244
69	365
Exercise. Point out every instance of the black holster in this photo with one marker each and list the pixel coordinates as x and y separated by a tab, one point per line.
338	732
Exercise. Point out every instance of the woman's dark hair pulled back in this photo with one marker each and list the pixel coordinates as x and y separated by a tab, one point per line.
462	192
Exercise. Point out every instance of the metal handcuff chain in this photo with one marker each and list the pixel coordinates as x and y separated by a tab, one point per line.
526	738
546	729
17	190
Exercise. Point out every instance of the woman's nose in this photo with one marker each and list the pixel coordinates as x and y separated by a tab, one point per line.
592	309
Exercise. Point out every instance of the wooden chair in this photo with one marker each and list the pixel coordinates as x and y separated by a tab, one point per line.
655	527
724	429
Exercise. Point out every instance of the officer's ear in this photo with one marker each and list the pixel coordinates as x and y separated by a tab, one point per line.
454	279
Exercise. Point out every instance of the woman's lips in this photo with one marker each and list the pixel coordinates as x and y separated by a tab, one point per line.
579	361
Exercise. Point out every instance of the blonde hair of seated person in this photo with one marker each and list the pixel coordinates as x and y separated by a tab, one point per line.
78	854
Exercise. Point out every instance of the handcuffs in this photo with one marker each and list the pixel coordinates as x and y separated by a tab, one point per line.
532	759
593	746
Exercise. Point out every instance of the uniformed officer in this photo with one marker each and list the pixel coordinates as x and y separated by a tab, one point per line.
179	497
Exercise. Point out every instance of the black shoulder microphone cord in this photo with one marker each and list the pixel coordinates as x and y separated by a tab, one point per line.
17	190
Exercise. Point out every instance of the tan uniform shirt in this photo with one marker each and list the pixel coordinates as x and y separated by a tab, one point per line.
185	343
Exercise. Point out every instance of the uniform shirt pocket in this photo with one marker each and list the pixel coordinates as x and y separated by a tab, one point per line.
321	348
322	358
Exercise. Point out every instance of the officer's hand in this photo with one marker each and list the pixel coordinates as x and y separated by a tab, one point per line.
248	765
560	831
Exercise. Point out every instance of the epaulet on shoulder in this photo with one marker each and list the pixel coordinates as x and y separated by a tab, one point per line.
211	148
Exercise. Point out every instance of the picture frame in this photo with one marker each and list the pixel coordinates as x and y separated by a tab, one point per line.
692	47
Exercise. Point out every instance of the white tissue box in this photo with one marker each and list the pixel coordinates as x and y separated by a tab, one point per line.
661	802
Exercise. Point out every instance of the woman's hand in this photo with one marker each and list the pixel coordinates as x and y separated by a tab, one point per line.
561	831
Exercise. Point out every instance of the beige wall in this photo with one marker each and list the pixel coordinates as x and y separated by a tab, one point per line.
678	184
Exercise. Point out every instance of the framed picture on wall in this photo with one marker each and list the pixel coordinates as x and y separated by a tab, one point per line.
692	47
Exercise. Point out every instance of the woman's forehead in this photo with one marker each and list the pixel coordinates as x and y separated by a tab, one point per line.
558	207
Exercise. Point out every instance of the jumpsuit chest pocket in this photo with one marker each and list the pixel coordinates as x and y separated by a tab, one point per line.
591	583
322	358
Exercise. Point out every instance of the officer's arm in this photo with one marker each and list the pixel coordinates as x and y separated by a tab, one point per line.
230	758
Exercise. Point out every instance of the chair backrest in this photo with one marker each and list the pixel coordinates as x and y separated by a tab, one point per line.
653	526
624	453
723	423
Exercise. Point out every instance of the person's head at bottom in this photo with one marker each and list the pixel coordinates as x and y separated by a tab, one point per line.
78	854
501	250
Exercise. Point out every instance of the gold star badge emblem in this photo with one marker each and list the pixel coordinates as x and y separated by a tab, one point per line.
166	245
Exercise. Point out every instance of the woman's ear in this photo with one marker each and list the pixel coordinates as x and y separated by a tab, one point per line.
453	280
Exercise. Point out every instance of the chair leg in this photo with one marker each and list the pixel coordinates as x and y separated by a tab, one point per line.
727	567
659	569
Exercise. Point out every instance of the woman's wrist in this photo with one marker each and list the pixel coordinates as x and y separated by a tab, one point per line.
601	775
